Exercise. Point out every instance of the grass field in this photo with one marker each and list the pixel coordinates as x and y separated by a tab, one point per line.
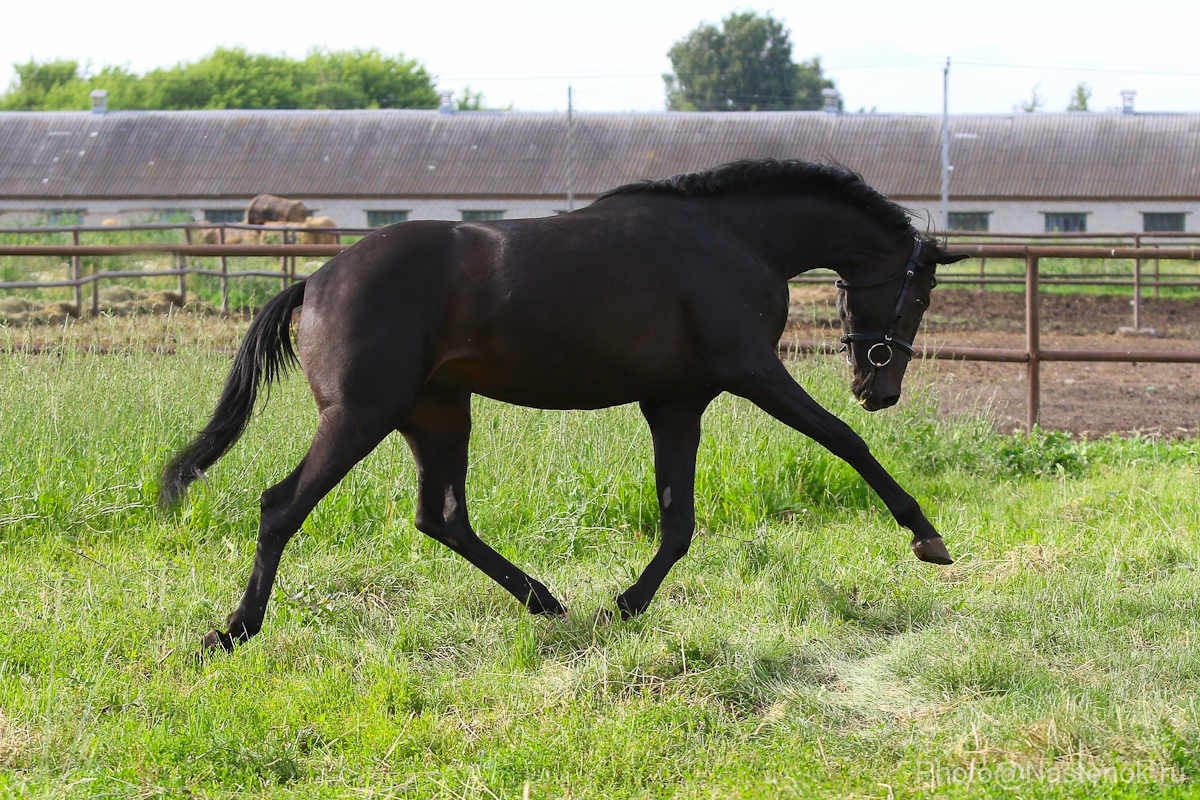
799	649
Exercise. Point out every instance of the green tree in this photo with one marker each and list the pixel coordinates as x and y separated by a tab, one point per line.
366	79
470	101
1035	101
745	66
1080	98
473	101
234	78
50	84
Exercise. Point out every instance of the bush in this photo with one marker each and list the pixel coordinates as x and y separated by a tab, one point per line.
1043	453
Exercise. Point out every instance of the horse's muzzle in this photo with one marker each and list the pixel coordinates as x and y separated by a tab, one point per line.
870	402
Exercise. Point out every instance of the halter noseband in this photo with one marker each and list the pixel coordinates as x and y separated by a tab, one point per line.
885	342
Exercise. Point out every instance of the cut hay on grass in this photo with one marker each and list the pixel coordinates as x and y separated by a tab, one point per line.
116	301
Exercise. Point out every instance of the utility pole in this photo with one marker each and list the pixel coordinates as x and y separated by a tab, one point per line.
946	146
570	151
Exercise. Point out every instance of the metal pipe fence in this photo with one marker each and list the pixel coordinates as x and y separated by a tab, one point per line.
1034	354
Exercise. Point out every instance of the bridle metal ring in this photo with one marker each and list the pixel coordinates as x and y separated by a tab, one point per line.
887	359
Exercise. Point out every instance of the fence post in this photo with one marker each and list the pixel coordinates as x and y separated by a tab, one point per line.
183	265
1137	287
292	261
283	263
224	273
982	278
76	272
1033	343
1157	279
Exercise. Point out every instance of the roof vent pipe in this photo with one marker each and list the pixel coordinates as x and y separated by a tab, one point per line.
99	101
446	104
833	100
1127	101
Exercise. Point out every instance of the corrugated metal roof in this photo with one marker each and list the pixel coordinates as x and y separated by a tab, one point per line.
391	153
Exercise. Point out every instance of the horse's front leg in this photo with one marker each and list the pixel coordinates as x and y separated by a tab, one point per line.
675	428
774	390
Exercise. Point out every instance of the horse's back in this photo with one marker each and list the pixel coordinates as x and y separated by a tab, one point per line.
585	310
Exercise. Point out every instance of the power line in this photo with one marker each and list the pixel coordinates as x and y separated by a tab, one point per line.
1080	68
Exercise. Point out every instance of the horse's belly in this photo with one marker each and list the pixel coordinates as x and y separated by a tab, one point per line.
560	383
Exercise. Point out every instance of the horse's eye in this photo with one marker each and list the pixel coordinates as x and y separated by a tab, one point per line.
922	303
932	282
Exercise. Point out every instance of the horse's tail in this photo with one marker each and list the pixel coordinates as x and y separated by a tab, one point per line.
264	356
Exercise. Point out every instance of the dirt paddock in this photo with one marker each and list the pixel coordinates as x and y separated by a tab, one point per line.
1084	398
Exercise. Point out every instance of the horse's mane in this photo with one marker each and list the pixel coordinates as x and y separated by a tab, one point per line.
789	175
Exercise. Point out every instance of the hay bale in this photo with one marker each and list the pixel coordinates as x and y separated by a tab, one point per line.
272	237
163	302
15	305
305	237
60	307
58	313
118	294
242	237
269	208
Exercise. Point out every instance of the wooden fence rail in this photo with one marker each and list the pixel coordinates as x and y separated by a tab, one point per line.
286	273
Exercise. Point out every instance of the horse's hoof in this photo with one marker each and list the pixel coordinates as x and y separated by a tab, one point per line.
932	550
217	642
551	608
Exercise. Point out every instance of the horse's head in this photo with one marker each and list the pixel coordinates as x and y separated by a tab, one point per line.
880	320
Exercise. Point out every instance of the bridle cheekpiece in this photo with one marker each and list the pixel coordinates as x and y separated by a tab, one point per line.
880	353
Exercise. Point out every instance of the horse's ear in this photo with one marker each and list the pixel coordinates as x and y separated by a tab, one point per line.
945	259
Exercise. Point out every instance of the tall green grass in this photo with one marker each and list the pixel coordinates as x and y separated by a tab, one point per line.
798	650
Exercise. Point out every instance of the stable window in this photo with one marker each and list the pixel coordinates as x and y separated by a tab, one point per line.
175	215
1156	221
224	214
62	216
377	219
968	220
480	216
1066	223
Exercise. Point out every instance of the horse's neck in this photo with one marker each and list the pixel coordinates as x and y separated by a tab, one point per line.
798	234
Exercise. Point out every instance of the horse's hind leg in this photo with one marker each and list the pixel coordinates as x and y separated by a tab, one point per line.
438	431
344	436
675	428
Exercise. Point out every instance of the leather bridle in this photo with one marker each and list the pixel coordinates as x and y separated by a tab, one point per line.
880	353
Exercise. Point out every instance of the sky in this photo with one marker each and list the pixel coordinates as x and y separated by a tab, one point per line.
883	56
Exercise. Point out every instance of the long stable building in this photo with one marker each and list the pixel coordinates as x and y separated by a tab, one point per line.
1012	173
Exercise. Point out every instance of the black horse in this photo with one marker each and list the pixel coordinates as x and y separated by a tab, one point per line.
665	292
